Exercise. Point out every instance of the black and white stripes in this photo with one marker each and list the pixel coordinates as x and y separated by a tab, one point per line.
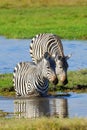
31	79
46	42
53	45
49	61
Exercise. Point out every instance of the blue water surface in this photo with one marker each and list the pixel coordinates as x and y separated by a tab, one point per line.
13	51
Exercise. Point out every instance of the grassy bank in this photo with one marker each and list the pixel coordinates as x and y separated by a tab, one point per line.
25	19
43	124
77	82
6	85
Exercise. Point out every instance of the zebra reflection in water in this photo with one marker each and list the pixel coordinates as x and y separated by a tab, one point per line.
38	107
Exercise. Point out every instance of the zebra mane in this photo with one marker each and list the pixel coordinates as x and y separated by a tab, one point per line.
38	61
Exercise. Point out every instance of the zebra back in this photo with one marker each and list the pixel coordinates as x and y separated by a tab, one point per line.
20	71
45	43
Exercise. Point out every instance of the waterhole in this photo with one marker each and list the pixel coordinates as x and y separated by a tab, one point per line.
74	105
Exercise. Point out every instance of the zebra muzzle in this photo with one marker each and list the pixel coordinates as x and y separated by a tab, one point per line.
55	80
64	80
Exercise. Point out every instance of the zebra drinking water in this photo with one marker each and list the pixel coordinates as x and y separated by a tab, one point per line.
53	45
32	79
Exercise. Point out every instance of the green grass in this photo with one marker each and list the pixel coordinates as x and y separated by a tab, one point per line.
77	78
6	84
43	124
77	82
69	22
6	80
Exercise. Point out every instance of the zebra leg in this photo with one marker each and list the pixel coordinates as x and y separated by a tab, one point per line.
34	93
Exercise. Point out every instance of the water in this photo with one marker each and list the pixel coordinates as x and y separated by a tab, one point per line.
77	104
13	51
73	106
78	49
32	108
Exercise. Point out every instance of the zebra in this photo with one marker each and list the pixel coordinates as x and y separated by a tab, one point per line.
53	45
33	79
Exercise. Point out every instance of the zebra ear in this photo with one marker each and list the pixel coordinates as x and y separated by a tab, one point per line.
68	56
46	55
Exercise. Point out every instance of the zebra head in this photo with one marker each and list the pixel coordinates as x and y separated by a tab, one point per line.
62	67
48	68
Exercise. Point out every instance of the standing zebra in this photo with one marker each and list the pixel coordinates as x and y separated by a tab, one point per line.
53	45
31	79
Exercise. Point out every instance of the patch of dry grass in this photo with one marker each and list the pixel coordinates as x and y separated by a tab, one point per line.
43	124
30	3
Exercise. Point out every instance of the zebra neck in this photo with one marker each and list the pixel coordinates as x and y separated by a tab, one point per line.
40	68
41	81
41	85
